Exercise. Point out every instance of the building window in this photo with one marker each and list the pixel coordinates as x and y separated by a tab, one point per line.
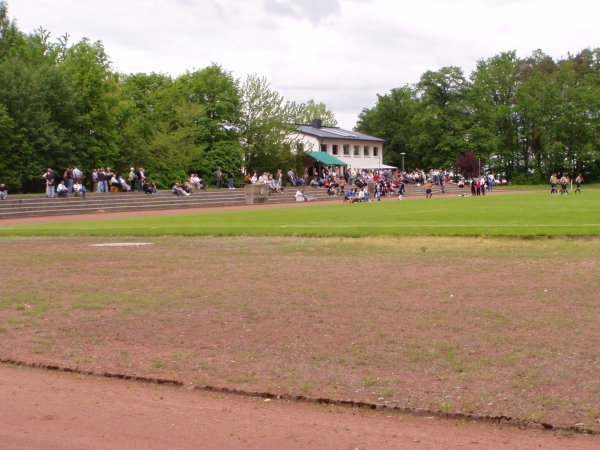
366	150
356	150
375	151
324	148
334	150
346	150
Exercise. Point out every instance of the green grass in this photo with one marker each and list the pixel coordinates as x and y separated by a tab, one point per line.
543	187
529	214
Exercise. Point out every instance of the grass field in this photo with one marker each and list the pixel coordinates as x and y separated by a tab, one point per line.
543	187
530	214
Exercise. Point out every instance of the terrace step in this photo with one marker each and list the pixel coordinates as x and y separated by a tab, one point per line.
39	205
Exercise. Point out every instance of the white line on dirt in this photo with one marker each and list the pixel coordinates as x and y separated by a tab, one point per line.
122	244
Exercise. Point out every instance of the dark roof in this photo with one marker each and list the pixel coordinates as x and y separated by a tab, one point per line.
336	133
326	159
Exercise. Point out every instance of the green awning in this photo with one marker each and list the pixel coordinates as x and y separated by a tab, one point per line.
326	159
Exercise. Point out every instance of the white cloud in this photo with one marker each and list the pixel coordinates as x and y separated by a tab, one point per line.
341	52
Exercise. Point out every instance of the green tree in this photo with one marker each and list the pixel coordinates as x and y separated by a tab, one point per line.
266	127
310	110
226	155
442	121
391	119
217	91
494	133
9	33
95	86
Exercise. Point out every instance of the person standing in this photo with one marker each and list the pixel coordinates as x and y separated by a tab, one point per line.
564	180
553	182
218	178
3	192
77	175
101	177
578	181
141	178
69	179
94	180
50	183
132	177
428	188
230	179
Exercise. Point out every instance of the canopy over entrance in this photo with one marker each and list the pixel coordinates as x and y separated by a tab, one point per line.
322	158
314	162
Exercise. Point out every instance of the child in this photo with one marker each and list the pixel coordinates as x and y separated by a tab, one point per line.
578	180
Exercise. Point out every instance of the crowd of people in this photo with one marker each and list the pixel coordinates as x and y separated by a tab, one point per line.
386	182
275	182
564	182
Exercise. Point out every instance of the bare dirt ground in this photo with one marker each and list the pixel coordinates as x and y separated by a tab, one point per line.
52	410
490	326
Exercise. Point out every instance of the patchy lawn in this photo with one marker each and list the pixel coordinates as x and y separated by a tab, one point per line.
494	326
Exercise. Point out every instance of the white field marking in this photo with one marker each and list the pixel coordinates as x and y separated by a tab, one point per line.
122	244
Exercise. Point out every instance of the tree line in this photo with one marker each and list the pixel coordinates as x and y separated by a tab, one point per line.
524	117
61	104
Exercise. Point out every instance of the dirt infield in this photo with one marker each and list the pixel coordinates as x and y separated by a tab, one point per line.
391	320
55	410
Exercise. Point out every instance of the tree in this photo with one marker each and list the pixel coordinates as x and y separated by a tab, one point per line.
95	86
137	118
38	98
494	132
310	110
217	91
441	122
468	164
226	155
391	119
266	126
9	33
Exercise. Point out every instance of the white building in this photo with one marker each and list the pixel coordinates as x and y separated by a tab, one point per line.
356	150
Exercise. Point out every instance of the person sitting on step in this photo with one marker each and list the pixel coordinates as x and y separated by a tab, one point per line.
62	190
178	191
187	187
78	189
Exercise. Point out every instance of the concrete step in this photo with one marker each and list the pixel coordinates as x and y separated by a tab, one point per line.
111	202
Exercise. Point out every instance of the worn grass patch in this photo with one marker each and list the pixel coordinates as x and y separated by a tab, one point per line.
493	325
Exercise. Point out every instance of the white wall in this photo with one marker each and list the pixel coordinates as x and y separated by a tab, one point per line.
354	162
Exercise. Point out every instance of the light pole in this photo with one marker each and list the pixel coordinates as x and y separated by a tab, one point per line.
403	161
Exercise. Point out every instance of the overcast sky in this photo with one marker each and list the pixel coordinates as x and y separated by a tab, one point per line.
341	52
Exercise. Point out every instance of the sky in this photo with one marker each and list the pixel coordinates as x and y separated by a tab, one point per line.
340	52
